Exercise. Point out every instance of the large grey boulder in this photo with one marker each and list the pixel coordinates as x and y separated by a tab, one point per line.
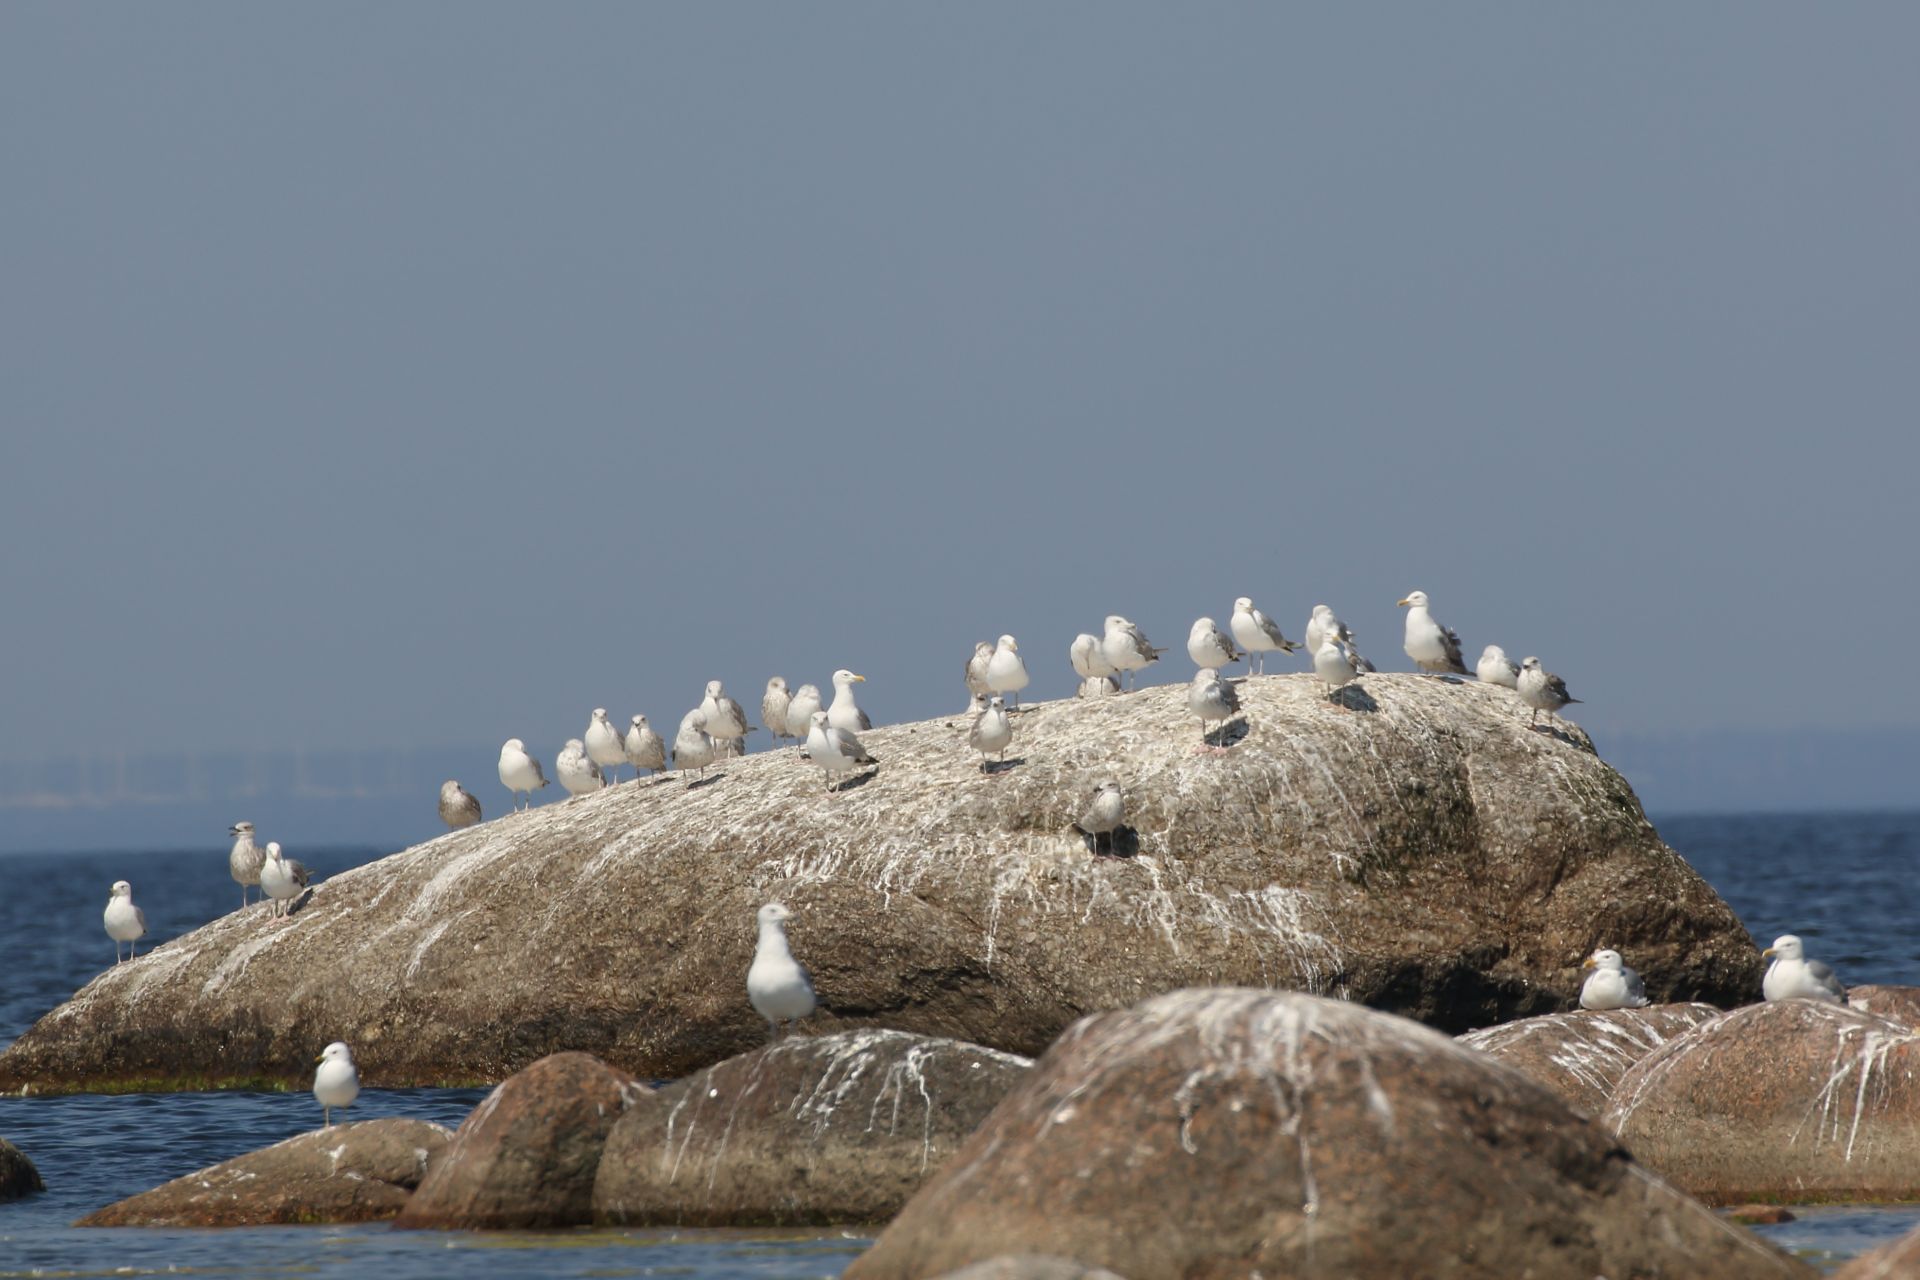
359	1172
1414	847
1230	1132
1795	1101
813	1130
1582	1055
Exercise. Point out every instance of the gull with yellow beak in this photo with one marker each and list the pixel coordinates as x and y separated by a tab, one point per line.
1610	984
1433	648
337	1082
1792	976
844	712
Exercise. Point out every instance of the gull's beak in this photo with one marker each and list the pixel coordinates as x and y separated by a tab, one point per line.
322	1058
861	679
1014	645
1769	951
1588	963
1405	603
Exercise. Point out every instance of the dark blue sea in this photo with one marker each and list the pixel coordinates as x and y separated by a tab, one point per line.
1844	882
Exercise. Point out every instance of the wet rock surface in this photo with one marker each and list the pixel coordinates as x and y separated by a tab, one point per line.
1794	1101
358	1172
1582	1055
814	1130
18	1177
1226	1132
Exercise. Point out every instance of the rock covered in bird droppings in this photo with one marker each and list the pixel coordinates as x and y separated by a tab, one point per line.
1582	1055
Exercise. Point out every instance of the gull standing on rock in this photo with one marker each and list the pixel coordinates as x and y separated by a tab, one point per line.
1125	647
1434	649
1792	976
606	746
282	879
1104	815
833	749
1212	699
1325	622
458	808
806	701
844	712
125	922
1495	667
1335	662
519	771
777	985
692	747
773	709
992	731
575	768
726	721
337	1082
1611	985
1256	632
644	748
245	858
1091	665
1006	672
1209	646
1542	690
977	666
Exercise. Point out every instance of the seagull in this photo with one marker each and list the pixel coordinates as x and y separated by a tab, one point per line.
1256	632
520	771
726	721
773	709
1495	667
1104	815
125	922
1611	985
843	712
1091	665
992	731
806	701
692	747
336	1083
1325	622
1335	662
1792	976
1006	673
1432	647
282	879
1209	646
1125	647
977	669
1211	698
458	808
576	770
606	745
777	985
244	859
1542	690
833	749
643	748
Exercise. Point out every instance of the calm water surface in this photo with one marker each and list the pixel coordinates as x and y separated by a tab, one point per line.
1843	882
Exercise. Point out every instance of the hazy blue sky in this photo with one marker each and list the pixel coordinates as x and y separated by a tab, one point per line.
407	375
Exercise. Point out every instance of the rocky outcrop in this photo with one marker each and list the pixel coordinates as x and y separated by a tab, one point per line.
18	1177
1900	1004
527	1155
1231	1132
812	1131
1795	1100
1030	1266
359	1172
1414	847
1582	1055
1897	1261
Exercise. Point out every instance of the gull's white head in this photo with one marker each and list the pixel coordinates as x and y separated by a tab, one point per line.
778	682
846	677
336	1052
818	720
1531	664
1321	611
1207	675
449	786
1786	946
806	691
273	850
639	722
1007	642
1493	653
574	745
121	889
982	646
1109	785
997	703
1243	604
1414	600
511	744
715	689
694	719
1604	959
1202	625
600	714
240	829
1115	620
774	914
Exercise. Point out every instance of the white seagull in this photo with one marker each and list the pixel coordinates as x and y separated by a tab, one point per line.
1209	646
576	770
644	748
125	922
977	669
1125	647
1335	662
606	745
1611	985
336	1083
726	721
1792	976
1256	632
692	746
282	879
992	731
773	709
519	771
843	712
1433	648
1091	665
1006	672
458	808
833	749
1542	690
1325	622
777	985
806	701
1105	814
245	858
1495	667
1213	700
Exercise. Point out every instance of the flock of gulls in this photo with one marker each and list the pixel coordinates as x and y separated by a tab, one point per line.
778	986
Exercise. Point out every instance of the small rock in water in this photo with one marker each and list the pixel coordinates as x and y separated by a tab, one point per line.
1762	1215
18	1177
